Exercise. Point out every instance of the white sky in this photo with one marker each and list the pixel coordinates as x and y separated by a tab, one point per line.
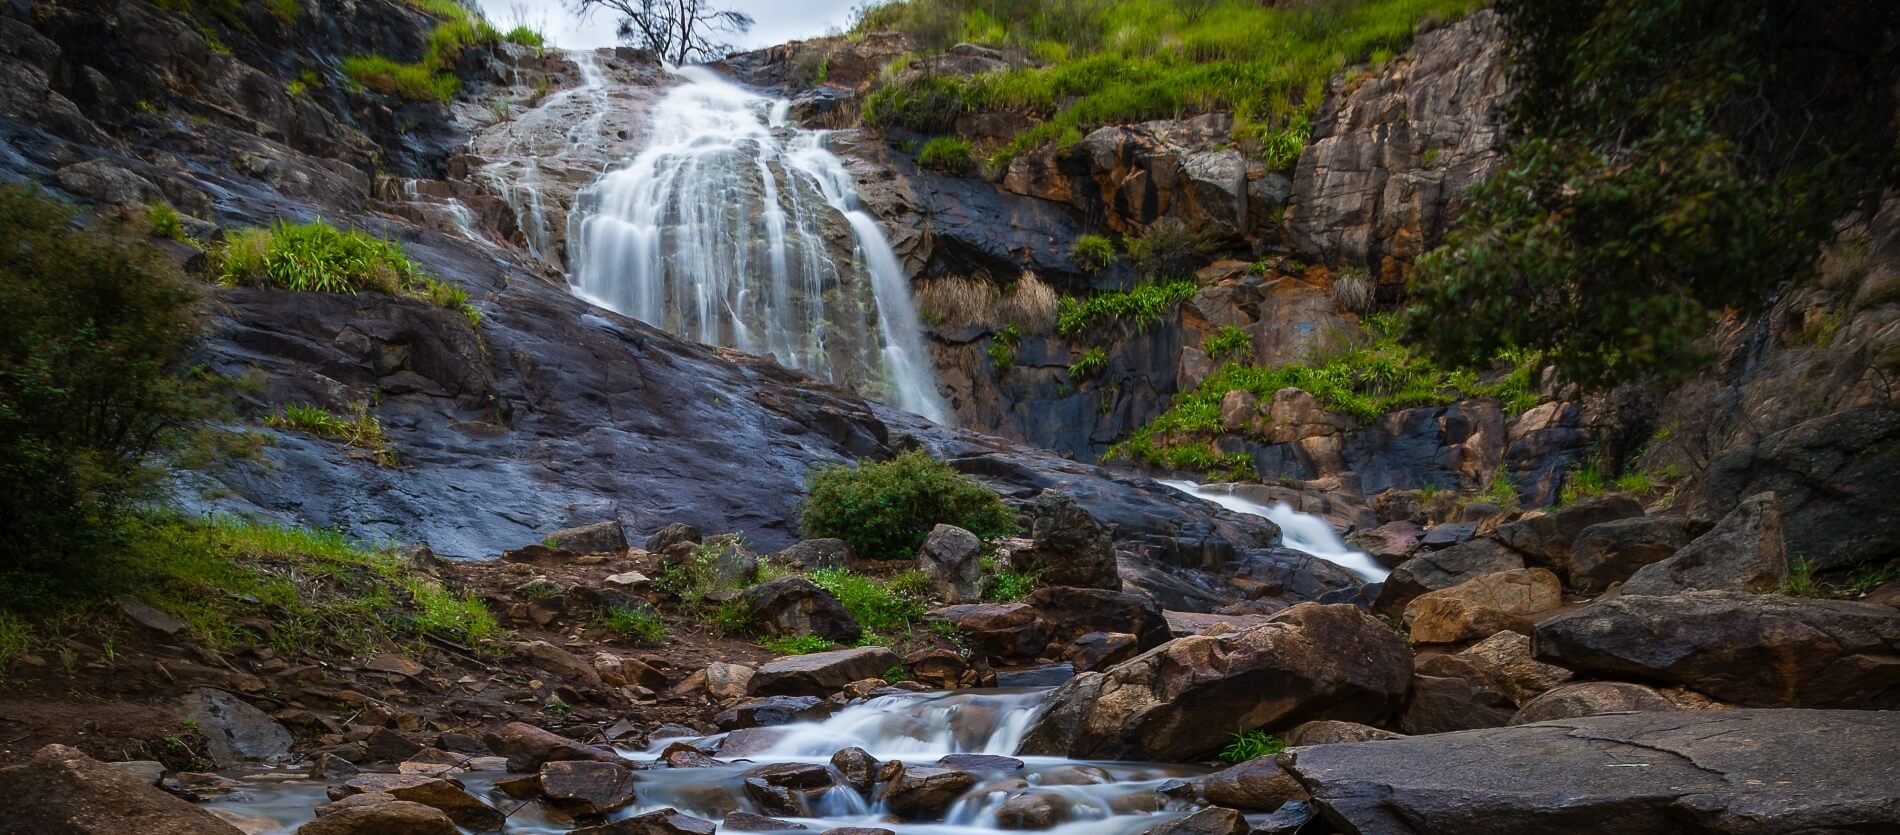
777	21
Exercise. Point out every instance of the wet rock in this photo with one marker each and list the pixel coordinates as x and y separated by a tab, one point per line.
1329	731
799	776
673	534
1440	537
1290	819
1390	544
1546	540
234	731
771	710
857	830
795	606
1033	810
857	767
1442	570
253	824
435	792
61	790
1504	662
603	537
1443	704
1609	552
980	762
528	747
1743	552
1755	650
1312	661
1070	548
1210	821
747	742
950	557
772	800
386	816
1047	675
922	792
1482	607
1257	785
1741	771
1591	698
1002	631
816	553
1101	650
820	673
686	755
662	822
587	788
1074	612
748	822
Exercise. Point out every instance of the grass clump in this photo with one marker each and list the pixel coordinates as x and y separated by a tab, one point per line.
885	509
1252	744
1002	348
433	78
795	644
166	222
358	429
1093	253
874	605
1002	585
1142	306
1091	364
1170	248
316	257
948	154
638	624
1229	342
525	36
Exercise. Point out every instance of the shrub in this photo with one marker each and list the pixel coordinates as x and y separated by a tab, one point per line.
165	221
319	258
1251	744
795	644
1002	348
885	509
1142	306
1092	362
1229	342
1093	253
946	153
635	623
1000	585
1169	248
95	381
1282	149
875	606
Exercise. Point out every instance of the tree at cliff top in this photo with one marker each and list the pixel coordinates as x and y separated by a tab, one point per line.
1669	161
680	31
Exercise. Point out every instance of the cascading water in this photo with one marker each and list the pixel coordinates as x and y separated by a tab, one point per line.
1299	531
732	228
565	130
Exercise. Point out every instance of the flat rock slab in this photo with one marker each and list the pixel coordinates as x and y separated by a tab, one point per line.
1740	771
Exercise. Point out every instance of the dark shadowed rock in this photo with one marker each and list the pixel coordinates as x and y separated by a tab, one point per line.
747	742
235	732
1391	544
528	747
1504	663
587	788
772	710
816	553
1609	552
1741	771
662	822
1443	569
1003	631
1033	810
921	792
1547	540
1756	650
1257	785
1591	698
748	822
1101	650
598	538
1291	819
950	557
1312	661
799	776
943	669
1441	704
1743	552
857	767
686	755
1071	548
821	673
673	534
1210	821
1073	612
61	790
795	606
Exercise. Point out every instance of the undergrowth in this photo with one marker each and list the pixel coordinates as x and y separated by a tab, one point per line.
1252	744
1142	307
638	624
795	644
358	429
319	258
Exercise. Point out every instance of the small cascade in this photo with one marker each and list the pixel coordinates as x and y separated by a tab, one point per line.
1299	531
732	228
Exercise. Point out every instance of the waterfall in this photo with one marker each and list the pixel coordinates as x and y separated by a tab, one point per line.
732	228
563	130
1299	531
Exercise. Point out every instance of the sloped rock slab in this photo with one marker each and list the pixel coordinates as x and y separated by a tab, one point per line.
1733	771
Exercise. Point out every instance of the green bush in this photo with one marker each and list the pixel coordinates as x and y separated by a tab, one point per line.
885	509
96	383
395	78
165	221
876	606
1002	348
1142	306
638	624
1169	248
948	154
1093	253
524	36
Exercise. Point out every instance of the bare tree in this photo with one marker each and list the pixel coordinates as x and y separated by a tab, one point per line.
679	31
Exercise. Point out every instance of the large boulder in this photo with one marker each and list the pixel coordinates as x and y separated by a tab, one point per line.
1311	661
796	606
816	553
1257	785
1073	612
435	792
586	788
1833	478
598	538
661	822
235	732
1505	663
1547	539
379	815
61	791
921	792
772	710
1004	631
1755	650
1743	552
1591	698
952	558
1709	772
821	673
1330	731
1483	607
1070	548
1433	570
1609	552
1440	704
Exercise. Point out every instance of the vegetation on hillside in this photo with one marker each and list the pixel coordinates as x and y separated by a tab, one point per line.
1116	61
432	78
316	257
885	509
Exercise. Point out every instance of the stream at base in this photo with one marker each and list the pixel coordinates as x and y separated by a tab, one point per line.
918	729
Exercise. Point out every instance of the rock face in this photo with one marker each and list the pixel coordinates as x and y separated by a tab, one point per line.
821	673
1071	548
1441	570
951	557
1755	650
1309	662
1743	552
1483	607
1610	552
1742	771
795	606
1832	478
61	790
1547	540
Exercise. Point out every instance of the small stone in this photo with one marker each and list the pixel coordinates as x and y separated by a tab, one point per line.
145	615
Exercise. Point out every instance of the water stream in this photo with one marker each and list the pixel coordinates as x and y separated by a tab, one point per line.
1299	531
733	228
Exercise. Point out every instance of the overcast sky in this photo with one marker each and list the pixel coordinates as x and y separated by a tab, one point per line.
778	20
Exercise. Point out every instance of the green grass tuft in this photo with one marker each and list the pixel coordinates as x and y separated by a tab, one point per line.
876	606
1248	745
795	644
1143	307
637	624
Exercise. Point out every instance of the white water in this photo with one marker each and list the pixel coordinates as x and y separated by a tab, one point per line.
723	229
517	169
1299	531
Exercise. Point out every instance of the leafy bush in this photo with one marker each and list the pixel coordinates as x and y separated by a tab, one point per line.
876	606
1093	253
948	154
1251	744
1227	342
795	644
1001	585
1169	248
635	623
95	382
897	674
885	509
317	257
1092	363
1142	306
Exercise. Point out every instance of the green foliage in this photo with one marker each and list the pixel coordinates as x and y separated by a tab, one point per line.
165	222
638	624
911	582
1281	149
1502	491
885	509
694	578
524	36
1800	582
1584	481
1092	363
897	674
1002	348
96	387
319	258
1002	585
948	154
359	429
876	606
1251	744
1142	306
1169	248
1668	161
1229	342
1093	253
433	78
795	644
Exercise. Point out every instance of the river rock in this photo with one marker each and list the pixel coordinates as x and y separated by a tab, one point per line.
1435	570
748	822
1482	607
1546	540
1505	663
528	747
1002	631
541	655
922	792
235	732
1743	552
942	668
1390	544
950	557
770	799
620	670
857	768
1069	547
1210	821
1739	771
816	553
1609	552
385	816
1257	785
587	788
61	790
1754	650
436	792
1591	698
772	710
662	822
603	537
687	755
798	776
1073	612
979	762
1311	661
1329	731
1101	650
1455	703
673	534
1033	810
728	681
747	742
820	673
796	606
